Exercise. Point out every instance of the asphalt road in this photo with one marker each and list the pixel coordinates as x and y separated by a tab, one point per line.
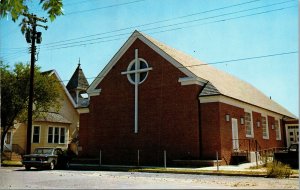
18	178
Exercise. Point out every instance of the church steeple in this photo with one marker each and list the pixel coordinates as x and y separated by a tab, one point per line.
78	84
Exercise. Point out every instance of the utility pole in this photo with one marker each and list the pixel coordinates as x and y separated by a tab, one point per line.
32	36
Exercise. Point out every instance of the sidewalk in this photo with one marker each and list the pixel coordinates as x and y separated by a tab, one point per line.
246	169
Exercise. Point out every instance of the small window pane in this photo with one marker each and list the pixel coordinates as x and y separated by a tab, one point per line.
56	135
248	121
50	135
265	128
36	134
62	135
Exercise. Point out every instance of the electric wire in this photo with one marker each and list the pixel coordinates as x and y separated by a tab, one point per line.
62	46
95	41
156	22
173	29
218	62
43	45
105	7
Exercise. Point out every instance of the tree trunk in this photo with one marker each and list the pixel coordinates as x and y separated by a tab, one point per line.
3	134
2	141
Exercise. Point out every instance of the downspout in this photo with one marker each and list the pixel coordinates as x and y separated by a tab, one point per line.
199	120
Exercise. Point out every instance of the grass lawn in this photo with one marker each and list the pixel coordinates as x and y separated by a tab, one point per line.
11	163
193	171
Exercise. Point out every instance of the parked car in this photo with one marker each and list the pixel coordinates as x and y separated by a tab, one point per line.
289	156
46	158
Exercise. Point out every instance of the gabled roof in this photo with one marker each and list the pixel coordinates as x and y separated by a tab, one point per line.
218	82
78	80
53	72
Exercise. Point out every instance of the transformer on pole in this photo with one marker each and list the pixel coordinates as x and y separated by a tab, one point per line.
32	36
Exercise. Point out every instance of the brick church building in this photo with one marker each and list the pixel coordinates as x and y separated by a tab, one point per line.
152	98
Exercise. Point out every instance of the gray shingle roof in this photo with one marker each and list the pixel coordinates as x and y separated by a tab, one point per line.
52	117
78	80
221	82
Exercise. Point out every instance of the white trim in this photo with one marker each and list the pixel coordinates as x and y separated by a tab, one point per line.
136	92
112	62
32	132
287	134
95	92
191	80
59	134
239	104
136	71
124	48
83	110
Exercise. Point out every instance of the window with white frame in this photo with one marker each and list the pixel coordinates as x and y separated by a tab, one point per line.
36	134
265	128
57	135
248	124
277	129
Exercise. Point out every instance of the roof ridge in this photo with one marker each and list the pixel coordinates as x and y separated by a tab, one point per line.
225	83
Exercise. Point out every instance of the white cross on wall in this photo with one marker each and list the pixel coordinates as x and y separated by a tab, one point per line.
137	72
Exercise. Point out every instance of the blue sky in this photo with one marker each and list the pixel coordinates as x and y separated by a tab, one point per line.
209	30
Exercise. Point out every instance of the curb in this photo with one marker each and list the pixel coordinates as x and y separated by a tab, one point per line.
94	167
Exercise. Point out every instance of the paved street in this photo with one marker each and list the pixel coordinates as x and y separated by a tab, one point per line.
18	178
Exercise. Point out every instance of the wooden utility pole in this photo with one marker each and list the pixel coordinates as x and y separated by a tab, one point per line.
32	36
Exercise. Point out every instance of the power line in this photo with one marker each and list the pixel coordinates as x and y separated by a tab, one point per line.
173	29
180	23
242	59
105	7
156	22
133	27
219	62
75	3
63	46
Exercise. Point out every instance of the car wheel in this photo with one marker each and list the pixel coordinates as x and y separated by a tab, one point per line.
27	167
52	165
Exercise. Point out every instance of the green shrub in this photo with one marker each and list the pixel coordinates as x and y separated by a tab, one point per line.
277	169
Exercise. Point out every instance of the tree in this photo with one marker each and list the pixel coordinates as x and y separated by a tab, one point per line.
16	8
15	93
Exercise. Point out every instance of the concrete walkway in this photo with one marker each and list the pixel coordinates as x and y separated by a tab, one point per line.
240	167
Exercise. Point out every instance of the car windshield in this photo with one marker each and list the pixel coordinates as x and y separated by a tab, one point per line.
43	151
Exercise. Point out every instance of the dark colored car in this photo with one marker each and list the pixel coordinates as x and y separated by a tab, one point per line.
46	158
289	156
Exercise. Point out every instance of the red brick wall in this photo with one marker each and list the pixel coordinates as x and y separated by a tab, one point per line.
168	118
217	132
168	115
226	129
210	130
